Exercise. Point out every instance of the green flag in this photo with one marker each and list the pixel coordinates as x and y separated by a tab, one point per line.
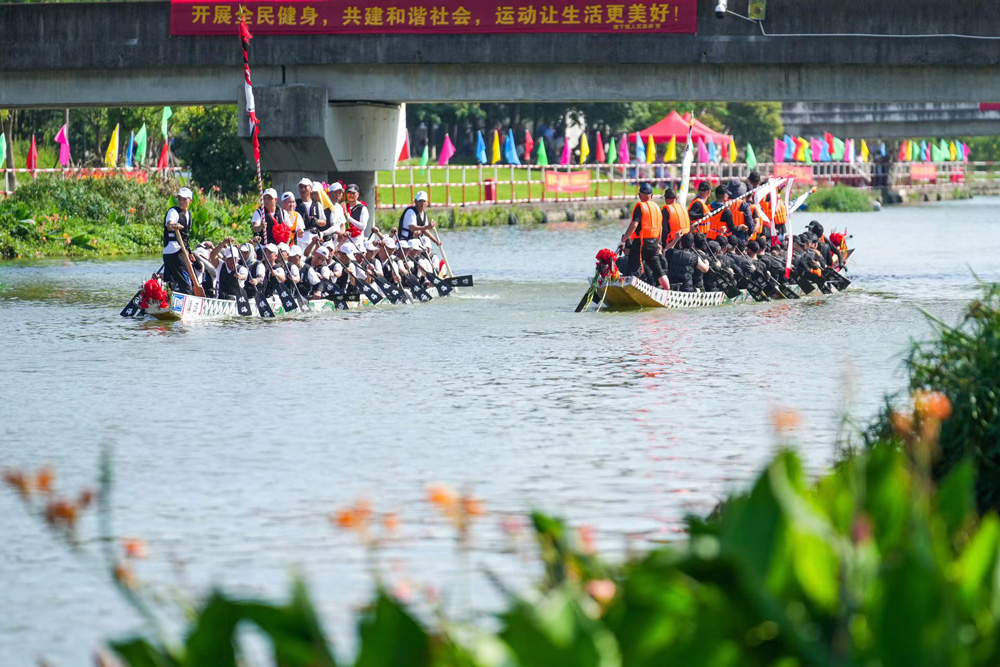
751	158
838	150
425	157
167	113
945	152
3	150
612	152
542	158
140	146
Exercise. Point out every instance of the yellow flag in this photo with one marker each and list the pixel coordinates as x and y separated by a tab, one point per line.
864	151
671	155
732	150
325	201
952	151
584	148
650	151
111	155
496	147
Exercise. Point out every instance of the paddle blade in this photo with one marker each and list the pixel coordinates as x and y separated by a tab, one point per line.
131	309
459	281
263	307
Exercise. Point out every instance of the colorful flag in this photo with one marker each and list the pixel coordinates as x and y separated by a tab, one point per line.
612	152
904	152
480	148
802	150
140	146
945	152
128	151
623	155
529	146
32	163
404	144
864	151
111	155
671	155
543	157
732	150
849	152
789	148
584	148
965	152
3	150
712	151
780	148
167	113
564	160
164	160
724	149
751	158
837	154
925	153
824	152
702	151
650	151
510	149
816	149
952	152
640	150
496	147
881	148
447	151
63	140
601	156
828	138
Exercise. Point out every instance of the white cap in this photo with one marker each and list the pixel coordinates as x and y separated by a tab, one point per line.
305	181
347	248
335	186
389	243
272	192
185	192
283	247
246	249
270	247
370	246
317	186
338	270
421	196
230	253
295	251
201	252
285	196
427	243
322	251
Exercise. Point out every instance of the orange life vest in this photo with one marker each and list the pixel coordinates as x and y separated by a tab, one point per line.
758	228
701	224
679	221
716	225
781	216
651	223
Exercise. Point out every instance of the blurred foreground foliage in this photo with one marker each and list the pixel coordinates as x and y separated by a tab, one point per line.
50	216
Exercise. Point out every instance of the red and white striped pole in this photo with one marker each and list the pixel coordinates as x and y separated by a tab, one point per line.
245	38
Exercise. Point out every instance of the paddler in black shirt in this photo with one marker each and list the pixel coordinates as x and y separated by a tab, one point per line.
682	262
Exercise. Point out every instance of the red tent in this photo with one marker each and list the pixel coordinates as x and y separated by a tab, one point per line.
675	125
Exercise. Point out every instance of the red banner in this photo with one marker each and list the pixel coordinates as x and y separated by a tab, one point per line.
302	17
923	172
803	173
573	181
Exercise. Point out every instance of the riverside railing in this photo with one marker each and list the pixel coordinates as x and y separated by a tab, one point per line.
142	173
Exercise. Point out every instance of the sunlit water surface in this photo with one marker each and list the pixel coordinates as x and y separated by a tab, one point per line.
234	441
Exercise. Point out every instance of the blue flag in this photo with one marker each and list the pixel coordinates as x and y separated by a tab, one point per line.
789	148
480	148
510	150
824	153
131	149
882	149
711	151
640	150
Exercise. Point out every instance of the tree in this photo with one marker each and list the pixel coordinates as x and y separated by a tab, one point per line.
207	142
754	122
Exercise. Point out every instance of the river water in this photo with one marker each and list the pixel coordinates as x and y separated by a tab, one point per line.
233	442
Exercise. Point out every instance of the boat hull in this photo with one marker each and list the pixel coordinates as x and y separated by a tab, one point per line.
188	308
630	293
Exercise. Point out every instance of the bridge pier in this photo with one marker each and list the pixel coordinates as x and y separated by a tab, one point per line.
303	133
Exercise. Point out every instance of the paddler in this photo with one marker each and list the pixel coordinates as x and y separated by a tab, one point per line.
337	215
296	224
644	232
176	230
357	211
270	219
699	208
741	211
675	218
413	222
683	262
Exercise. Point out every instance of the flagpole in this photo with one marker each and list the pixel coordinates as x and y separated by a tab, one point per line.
245	38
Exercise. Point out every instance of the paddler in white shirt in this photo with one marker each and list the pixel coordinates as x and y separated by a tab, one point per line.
338	214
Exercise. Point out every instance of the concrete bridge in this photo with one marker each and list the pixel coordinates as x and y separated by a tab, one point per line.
890	121
332	103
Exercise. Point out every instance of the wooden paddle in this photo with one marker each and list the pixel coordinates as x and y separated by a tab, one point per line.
196	287
444	255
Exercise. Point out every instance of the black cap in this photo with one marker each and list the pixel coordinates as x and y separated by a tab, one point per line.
753	247
815	228
720	191
723	241
687	241
352	188
704	186
645	189
754	177
669	194
714	246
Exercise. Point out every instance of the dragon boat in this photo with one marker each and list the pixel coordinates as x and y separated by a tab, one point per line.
188	308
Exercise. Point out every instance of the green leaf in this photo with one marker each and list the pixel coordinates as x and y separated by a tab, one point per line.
212	639
955	499
391	637
140	653
466	646
557	631
816	569
978	562
295	630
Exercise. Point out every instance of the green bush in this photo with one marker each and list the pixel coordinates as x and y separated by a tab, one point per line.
840	199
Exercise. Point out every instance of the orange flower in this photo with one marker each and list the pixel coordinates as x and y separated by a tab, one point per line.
17	480
602	590
43	480
785	420
473	506
932	404
347	519
442	496
234	225
125	575
135	548
131	210
61	512
902	422
391	522
86	497
587	535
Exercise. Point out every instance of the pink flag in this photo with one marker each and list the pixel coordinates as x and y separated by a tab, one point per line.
849	150
447	150
63	142
623	157
965	152
779	150
565	156
816	147
702	151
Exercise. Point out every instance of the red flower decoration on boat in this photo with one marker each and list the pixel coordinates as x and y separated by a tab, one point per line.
153	291
607	263
836	238
280	233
